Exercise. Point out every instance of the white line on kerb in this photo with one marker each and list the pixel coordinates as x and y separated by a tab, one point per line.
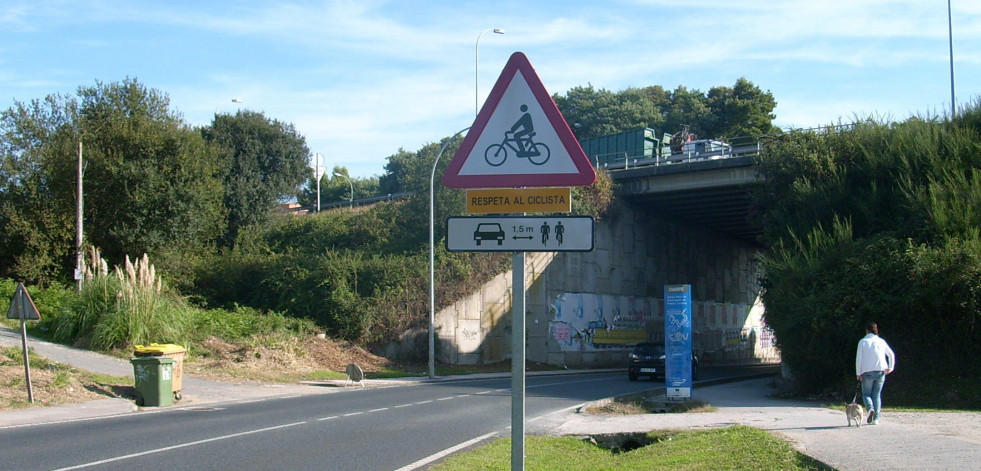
174	447
453	449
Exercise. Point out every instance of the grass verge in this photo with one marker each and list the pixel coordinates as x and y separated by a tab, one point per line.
731	448
53	383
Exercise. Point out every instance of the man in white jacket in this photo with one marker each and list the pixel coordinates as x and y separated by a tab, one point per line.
873	361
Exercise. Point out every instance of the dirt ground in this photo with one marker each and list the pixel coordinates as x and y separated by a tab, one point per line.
286	361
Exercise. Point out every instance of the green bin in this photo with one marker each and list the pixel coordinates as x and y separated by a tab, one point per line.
154	376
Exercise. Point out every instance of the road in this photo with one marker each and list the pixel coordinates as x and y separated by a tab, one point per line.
382	428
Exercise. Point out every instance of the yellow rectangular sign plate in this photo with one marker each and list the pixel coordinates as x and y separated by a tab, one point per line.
519	200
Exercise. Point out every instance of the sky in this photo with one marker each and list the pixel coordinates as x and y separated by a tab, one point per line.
362	79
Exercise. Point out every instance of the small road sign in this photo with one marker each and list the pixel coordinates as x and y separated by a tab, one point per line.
519	234
519	200
22	306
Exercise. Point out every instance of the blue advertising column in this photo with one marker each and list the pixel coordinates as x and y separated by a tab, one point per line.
677	341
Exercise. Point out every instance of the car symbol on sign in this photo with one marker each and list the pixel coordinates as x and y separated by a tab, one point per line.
489	231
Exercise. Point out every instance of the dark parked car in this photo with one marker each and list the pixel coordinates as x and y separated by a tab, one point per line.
647	359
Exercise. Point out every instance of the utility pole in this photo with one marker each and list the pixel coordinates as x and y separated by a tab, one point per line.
79	234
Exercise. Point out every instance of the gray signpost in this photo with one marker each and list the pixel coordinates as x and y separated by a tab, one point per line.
22	307
519	139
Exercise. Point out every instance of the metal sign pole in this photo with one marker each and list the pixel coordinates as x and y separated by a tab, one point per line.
518	361
22	307
27	363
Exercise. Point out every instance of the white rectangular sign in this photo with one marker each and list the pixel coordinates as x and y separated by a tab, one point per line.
519	234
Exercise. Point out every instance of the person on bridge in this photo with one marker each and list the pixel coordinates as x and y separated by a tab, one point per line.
873	361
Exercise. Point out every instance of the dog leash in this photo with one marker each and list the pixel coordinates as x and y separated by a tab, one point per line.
858	389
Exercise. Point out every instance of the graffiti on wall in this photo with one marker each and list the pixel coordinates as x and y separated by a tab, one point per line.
583	322
589	322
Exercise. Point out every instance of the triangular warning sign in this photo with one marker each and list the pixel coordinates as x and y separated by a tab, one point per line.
22	306
519	139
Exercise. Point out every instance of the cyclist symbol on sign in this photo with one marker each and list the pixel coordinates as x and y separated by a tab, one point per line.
518	140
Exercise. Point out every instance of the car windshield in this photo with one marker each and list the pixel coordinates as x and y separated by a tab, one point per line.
648	349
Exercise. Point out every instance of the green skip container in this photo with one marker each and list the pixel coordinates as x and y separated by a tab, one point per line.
154	376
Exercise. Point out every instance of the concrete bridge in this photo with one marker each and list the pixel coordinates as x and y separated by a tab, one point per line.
678	220
709	190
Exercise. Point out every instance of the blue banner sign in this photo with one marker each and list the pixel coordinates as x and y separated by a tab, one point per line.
677	341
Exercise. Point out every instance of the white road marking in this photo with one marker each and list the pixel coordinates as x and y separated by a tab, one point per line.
175	447
453	449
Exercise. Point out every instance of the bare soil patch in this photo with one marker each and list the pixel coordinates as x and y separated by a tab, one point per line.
283	360
54	384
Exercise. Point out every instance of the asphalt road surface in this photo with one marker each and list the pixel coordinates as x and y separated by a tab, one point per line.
382	428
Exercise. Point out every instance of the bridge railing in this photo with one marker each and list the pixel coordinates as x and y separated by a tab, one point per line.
742	146
624	161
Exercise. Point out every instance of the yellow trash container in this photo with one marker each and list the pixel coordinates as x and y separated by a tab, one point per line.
168	350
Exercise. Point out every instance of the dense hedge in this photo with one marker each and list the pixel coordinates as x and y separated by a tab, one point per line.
342	269
875	222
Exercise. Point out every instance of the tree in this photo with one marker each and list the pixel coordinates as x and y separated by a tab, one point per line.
689	109
262	162
587	111
725	112
149	180
743	110
36	194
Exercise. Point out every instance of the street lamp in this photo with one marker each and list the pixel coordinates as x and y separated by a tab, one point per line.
233	100
476	66
950	40
432	258
349	183
316	176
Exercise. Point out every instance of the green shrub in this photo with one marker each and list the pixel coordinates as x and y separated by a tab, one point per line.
877	222
128	307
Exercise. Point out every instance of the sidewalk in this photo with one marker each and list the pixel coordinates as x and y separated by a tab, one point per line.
903	440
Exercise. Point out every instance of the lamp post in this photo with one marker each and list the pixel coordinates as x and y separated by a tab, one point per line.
950	40
432	257
476	67
349	183
316	176
233	100
79	234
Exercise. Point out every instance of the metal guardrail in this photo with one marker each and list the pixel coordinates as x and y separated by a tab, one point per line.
743	146
628	162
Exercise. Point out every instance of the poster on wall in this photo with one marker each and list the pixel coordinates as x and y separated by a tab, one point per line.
677	341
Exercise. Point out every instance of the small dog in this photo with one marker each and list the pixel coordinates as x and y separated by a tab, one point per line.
854	412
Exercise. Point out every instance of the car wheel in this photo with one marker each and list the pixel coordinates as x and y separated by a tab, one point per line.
632	376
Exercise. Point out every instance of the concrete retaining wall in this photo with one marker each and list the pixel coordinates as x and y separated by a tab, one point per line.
586	309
